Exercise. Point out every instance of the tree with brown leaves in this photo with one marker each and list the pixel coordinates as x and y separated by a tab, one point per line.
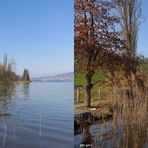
95	38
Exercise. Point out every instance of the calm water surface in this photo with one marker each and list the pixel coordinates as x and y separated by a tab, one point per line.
111	135
40	115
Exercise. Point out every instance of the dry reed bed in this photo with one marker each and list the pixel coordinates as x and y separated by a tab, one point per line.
130	102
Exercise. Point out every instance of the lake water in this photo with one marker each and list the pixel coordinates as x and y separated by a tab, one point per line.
119	135
41	115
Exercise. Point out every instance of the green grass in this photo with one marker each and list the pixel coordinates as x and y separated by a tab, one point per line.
80	78
104	94
81	81
144	66
100	75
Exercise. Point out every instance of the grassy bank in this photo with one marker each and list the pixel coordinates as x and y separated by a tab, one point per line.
102	90
116	101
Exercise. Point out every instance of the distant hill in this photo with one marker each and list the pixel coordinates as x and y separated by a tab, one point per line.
65	77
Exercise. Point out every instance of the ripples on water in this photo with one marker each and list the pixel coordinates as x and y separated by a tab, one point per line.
40	115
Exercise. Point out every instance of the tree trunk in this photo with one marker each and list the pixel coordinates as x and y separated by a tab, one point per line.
88	88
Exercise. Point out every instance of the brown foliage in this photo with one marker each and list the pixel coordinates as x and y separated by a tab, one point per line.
96	39
98	42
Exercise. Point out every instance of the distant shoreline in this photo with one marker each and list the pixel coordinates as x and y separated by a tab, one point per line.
65	77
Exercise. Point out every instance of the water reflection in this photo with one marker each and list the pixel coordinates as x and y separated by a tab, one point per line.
120	135
7	91
39	113
87	138
26	89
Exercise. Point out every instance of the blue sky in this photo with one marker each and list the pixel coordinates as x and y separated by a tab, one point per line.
38	34
143	32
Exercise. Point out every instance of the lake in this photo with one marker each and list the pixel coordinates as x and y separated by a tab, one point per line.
115	135
40	115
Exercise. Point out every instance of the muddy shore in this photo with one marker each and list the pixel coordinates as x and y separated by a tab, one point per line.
100	111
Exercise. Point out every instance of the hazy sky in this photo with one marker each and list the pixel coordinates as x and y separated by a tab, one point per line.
38	34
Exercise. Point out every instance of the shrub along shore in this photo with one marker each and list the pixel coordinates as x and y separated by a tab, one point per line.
8	74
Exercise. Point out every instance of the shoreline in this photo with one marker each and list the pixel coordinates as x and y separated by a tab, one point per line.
19	81
99	112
